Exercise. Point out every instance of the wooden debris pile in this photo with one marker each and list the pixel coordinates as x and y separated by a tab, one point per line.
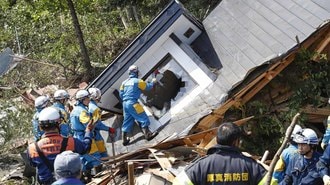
158	164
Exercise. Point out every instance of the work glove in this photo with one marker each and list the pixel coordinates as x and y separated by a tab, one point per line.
90	126
112	130
323	146
326	180
154	80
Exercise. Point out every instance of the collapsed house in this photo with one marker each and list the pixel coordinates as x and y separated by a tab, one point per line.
203	69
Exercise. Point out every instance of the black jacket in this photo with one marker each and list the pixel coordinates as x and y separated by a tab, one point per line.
225	165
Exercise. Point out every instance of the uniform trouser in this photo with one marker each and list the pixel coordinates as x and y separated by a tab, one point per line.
90	161
100	144
93	158
134	111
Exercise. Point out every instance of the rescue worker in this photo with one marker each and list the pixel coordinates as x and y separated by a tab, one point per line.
302	168
130	91
95	111
40	103
60	98
323	166
67	168
326	136
224	163
286	156
79	119
43	153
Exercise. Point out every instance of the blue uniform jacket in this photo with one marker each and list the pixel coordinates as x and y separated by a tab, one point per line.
225	164
131	88
326	136
324	162
79	119
65	128
130	91
37	132
282	163
302	171
95	111
50	145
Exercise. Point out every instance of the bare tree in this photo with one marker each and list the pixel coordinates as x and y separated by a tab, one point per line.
86	60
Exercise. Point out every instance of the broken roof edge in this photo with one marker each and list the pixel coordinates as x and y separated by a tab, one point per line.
256	71
134	49
244	92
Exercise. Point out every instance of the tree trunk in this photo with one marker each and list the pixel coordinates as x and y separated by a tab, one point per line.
136	16
123	18
86	60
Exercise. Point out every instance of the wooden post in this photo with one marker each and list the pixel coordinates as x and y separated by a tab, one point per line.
279	151
130	167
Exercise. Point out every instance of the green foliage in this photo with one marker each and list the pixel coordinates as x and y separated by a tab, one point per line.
311	82
16	121
308	81
265	129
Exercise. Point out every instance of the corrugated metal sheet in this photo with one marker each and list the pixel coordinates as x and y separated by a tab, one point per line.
247	33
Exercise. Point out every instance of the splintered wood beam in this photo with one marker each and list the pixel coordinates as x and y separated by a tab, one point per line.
163	161
321	45
206	140
268	77
316	111
194	138
210	138
243	121
257	84
188	142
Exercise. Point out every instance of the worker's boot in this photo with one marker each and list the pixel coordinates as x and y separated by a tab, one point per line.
147	134
125	138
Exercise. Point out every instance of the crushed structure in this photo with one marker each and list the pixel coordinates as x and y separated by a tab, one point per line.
206	68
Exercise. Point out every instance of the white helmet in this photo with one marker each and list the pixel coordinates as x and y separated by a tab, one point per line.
95	93
296	130
306	136
49	117
61	94
81	94
133	69
41	102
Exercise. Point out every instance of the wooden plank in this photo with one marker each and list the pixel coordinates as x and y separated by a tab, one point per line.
105	179
243	121
211	143
321	45
188	142
207	138
130	168
263	82
163	161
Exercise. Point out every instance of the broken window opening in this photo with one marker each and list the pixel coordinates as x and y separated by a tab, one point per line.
173	82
